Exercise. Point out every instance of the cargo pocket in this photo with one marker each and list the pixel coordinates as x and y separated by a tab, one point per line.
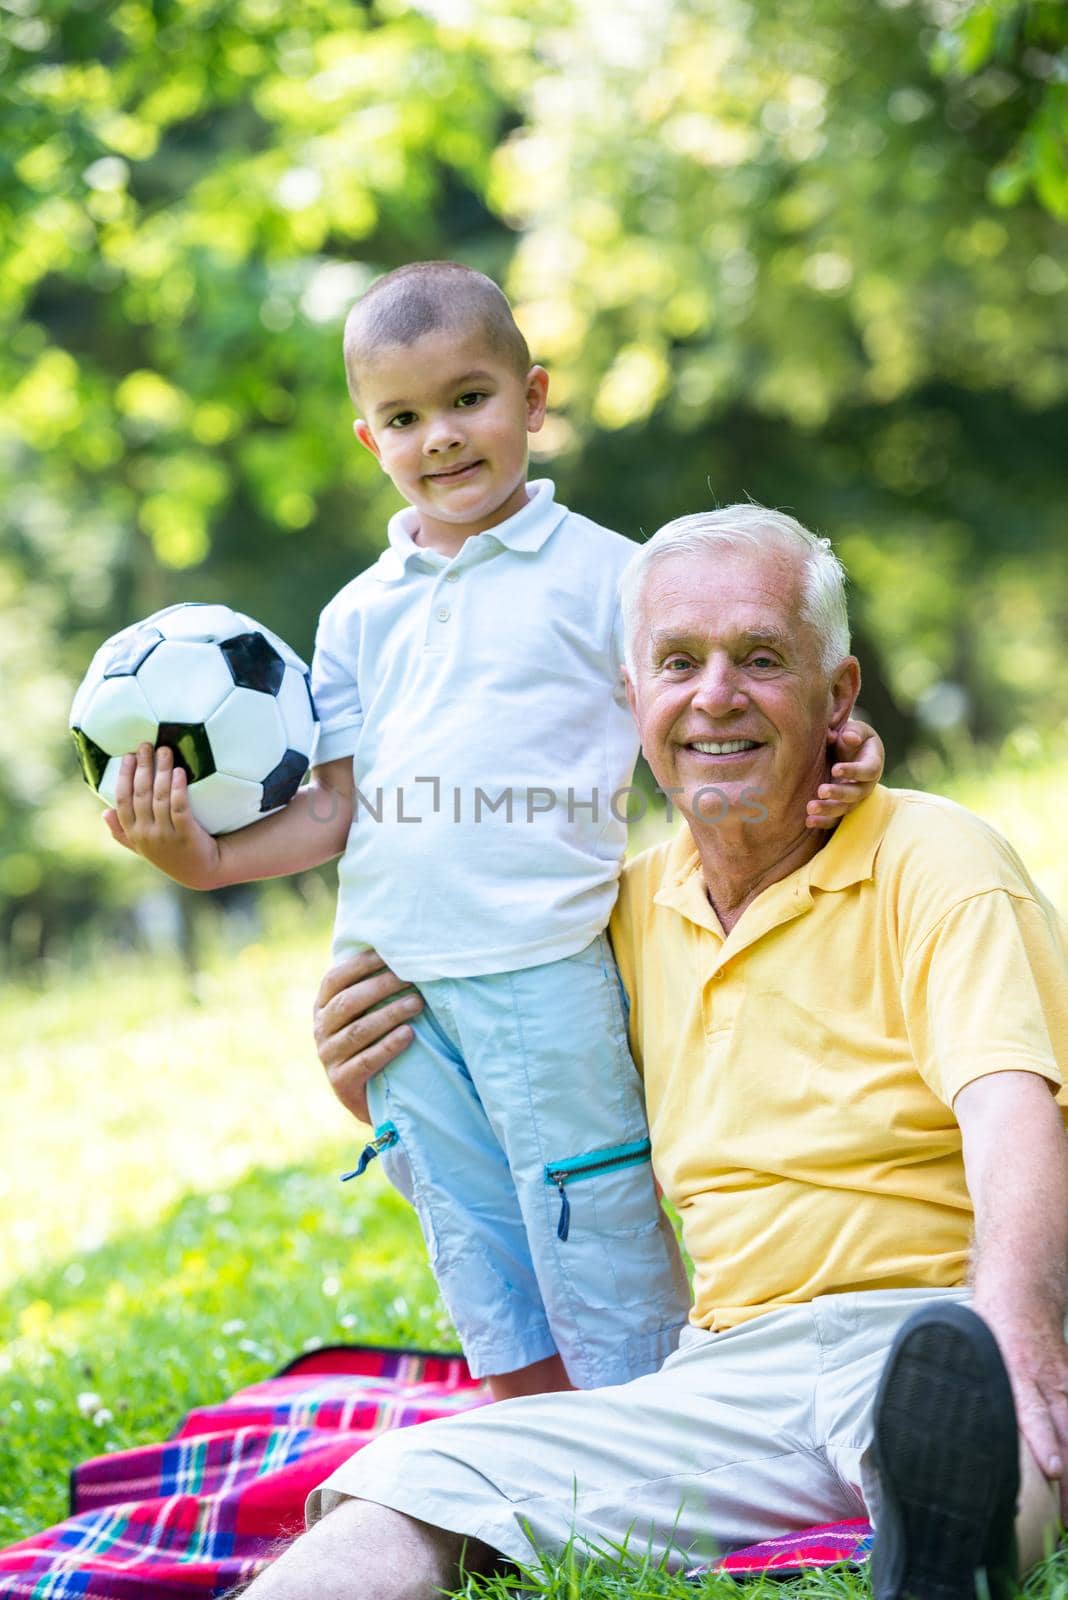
615	1248
618	1203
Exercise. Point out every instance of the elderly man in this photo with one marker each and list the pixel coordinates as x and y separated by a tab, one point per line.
850	1051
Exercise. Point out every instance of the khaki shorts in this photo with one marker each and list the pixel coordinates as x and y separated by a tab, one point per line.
740	1436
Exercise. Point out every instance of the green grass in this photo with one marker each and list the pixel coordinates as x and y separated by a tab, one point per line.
171	1225
171	1219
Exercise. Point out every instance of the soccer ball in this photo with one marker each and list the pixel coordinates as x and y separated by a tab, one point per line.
224	693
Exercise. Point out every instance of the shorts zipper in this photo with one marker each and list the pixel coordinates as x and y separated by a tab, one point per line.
561	1173
385	1135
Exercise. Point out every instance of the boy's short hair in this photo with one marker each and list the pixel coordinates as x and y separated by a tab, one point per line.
411	301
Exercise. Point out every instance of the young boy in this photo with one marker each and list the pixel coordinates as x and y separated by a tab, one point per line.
475	740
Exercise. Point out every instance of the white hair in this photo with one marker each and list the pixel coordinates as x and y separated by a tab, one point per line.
823	600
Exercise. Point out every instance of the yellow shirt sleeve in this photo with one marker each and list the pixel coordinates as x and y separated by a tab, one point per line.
986	990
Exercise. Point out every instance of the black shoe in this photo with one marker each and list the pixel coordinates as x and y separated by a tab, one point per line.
946	1449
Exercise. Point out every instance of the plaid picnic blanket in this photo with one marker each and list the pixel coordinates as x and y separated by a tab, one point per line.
188	1518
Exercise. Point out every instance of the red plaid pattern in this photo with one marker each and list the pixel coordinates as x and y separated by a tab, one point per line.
205	1510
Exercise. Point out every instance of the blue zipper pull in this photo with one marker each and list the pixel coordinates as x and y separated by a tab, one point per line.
367	1155
563	1227
384	1137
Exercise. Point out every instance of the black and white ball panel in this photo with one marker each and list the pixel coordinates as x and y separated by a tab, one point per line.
230	698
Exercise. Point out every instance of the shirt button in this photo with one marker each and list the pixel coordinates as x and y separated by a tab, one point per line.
444	613
452	577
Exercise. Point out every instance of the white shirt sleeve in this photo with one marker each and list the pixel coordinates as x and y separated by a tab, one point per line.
335	688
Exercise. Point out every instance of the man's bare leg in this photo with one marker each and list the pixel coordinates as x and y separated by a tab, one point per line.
363	1551
540	1377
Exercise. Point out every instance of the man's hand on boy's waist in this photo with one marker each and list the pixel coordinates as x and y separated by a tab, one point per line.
361	1023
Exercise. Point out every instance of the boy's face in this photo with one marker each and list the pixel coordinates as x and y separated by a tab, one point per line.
448	417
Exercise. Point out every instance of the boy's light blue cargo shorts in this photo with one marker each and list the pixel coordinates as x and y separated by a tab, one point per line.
515	1125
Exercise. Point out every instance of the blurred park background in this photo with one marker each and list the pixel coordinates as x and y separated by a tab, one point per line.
810	251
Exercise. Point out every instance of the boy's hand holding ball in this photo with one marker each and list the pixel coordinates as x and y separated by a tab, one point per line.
152	817
191	724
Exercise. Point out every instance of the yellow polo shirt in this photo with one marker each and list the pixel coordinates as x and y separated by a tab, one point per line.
799	1072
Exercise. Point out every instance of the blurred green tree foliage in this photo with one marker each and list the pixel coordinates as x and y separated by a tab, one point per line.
758	244
808	251
996	44
191	194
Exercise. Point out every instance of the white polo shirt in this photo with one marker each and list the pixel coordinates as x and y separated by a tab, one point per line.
481	700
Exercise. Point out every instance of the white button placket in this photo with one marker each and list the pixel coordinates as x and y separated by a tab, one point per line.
441	614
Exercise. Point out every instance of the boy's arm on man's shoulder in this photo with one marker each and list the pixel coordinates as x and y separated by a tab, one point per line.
858	758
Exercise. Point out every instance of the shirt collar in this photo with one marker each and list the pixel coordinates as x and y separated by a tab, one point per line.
526	530
847	858
682	886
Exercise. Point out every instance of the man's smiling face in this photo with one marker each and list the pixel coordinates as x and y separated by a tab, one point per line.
447	417
728	685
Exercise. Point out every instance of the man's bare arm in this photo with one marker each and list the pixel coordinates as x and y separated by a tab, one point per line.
1016	1162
